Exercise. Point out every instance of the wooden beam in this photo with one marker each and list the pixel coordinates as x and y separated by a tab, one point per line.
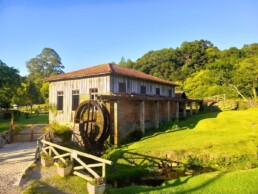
168	110
196	107
103	170
157	114
116	127
77	152
86	177
191	108
61	156
177	110
87	168
184	110
89	165
142	116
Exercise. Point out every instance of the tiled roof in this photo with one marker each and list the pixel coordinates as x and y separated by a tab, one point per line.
108	68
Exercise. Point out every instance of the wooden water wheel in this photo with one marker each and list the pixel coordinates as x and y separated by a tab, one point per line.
94	124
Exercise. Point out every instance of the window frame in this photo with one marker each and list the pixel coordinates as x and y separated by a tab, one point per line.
75	99
93	93
143	90
122	87
60	100
170	93
157	91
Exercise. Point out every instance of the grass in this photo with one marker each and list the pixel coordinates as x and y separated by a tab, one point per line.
33	119
57	184
212	138
242	181
227	133
225	141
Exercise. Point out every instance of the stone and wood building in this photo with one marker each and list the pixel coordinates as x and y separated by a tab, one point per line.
112	101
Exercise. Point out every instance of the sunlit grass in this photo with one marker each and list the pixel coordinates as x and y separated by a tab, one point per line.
57	184
32	119
228	133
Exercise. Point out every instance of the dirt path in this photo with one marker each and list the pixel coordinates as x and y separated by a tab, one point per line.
15	158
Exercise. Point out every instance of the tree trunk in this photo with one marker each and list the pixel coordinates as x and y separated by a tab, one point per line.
254	93
31	109
233	87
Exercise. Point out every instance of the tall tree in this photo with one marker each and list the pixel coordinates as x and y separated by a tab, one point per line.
9	80
47	63
246	76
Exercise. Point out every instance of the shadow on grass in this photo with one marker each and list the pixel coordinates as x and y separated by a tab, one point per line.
132	168
38	186
169	187
175	125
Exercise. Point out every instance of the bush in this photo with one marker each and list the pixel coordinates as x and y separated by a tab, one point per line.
134	136
242	105
62	131
227	105
26	115
6	115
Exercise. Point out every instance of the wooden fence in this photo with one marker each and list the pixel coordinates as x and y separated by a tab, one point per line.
30	132
78	158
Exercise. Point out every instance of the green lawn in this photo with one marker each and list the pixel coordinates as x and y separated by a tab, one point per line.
238	182
214	138
57	184
33	119
225	141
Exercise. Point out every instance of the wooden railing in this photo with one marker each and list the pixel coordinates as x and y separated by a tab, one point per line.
220	97
78	158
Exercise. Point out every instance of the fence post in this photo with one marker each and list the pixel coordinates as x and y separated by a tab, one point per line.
103	170
32	133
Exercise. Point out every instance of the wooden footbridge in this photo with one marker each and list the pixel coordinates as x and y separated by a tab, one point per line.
215	98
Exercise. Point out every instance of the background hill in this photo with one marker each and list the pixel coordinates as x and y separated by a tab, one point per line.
204	70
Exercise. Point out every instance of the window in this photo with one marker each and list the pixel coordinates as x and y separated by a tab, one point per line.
170	93
60	97
122	87
143	89
157	91
75	99
93	93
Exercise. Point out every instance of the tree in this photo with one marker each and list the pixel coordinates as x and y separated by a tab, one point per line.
27	94
47	63
44	91
9	80
246	76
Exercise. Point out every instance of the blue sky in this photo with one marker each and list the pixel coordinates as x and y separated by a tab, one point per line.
86	33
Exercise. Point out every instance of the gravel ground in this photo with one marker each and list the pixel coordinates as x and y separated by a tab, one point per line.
15	158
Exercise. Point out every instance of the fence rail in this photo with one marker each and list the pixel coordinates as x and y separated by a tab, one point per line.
220	97
80	168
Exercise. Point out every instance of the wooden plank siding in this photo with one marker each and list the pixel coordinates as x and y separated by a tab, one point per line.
133	86
67	86
105	84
